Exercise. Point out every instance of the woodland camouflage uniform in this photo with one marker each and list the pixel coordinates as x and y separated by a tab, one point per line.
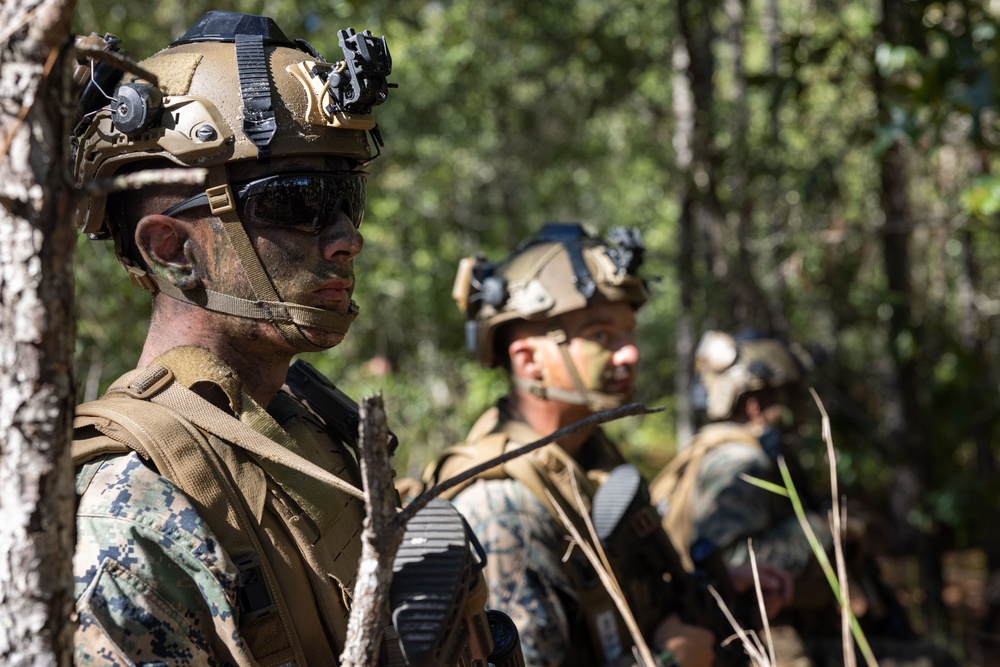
213	530
722	507
526	543
564	615
704	494
152	578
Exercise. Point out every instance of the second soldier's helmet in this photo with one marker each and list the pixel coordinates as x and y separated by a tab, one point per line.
561	269
727	367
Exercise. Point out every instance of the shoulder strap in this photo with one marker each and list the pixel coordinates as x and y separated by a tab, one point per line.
459	458
182	454
546	473
673	487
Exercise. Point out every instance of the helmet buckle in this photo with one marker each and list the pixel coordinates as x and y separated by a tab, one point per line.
220	199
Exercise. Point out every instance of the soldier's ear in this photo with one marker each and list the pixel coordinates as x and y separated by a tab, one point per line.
525	360
163	242
753	409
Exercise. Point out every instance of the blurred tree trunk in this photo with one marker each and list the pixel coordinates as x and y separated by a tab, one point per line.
907	441
757	312
683	107
743	297
974	335
36	337
699	199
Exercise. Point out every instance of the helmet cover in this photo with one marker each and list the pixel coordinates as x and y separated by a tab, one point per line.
729	367
561	269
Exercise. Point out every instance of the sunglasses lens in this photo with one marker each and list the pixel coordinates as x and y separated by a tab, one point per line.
306	202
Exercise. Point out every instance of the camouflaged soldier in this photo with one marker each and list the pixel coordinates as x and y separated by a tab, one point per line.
750	389
559	316
219	510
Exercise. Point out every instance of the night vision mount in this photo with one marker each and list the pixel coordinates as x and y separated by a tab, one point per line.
625	250
353	85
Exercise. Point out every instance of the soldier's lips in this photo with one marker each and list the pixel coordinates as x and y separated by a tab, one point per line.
618	387
334	294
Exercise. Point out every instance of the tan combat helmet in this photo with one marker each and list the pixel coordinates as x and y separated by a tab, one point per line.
728	367
559	270
233	88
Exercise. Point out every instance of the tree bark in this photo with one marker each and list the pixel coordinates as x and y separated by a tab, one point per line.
744	305
36	337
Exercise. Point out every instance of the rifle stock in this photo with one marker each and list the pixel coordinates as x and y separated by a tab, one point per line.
438	597
634	539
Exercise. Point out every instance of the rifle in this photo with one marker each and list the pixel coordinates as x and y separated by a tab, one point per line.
633	537
438	593
338	410
438	585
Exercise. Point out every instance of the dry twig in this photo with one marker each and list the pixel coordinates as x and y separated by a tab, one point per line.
123	63
605	573
420	501
385	526
837	518
382	535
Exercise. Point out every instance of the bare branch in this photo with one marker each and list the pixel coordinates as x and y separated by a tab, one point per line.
141	179
121	62
421	501
381	537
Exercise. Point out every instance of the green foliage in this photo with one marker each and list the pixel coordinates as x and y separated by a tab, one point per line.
511	113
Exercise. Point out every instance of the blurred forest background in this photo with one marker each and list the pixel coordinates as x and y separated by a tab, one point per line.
824	169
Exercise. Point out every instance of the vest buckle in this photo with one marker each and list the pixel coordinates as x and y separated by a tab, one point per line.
252	594
150	383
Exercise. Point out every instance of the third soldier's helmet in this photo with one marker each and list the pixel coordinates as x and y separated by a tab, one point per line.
727	367
561	269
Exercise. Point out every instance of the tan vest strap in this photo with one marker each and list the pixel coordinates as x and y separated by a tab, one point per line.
674	485
85	449
213	420
458	459
192	464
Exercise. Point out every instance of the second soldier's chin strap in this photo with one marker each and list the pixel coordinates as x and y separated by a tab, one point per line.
594	400
287	318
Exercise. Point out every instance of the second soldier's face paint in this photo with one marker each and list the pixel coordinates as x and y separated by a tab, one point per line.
601	346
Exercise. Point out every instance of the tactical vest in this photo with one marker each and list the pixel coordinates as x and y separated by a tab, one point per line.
297	544
556	479
673	487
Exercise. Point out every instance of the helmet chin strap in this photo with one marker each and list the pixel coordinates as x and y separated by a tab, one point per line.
287	318
592	399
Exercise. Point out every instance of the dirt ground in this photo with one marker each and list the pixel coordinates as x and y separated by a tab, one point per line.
960	632
967	593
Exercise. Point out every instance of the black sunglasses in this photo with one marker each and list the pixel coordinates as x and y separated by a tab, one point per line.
306	201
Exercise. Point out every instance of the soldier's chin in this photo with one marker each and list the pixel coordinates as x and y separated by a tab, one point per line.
624	395
323	339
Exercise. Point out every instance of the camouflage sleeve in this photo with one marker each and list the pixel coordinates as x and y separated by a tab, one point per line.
727	510
523	569
152	585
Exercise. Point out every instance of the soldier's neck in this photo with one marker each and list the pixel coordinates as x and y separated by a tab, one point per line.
261	367
547	416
